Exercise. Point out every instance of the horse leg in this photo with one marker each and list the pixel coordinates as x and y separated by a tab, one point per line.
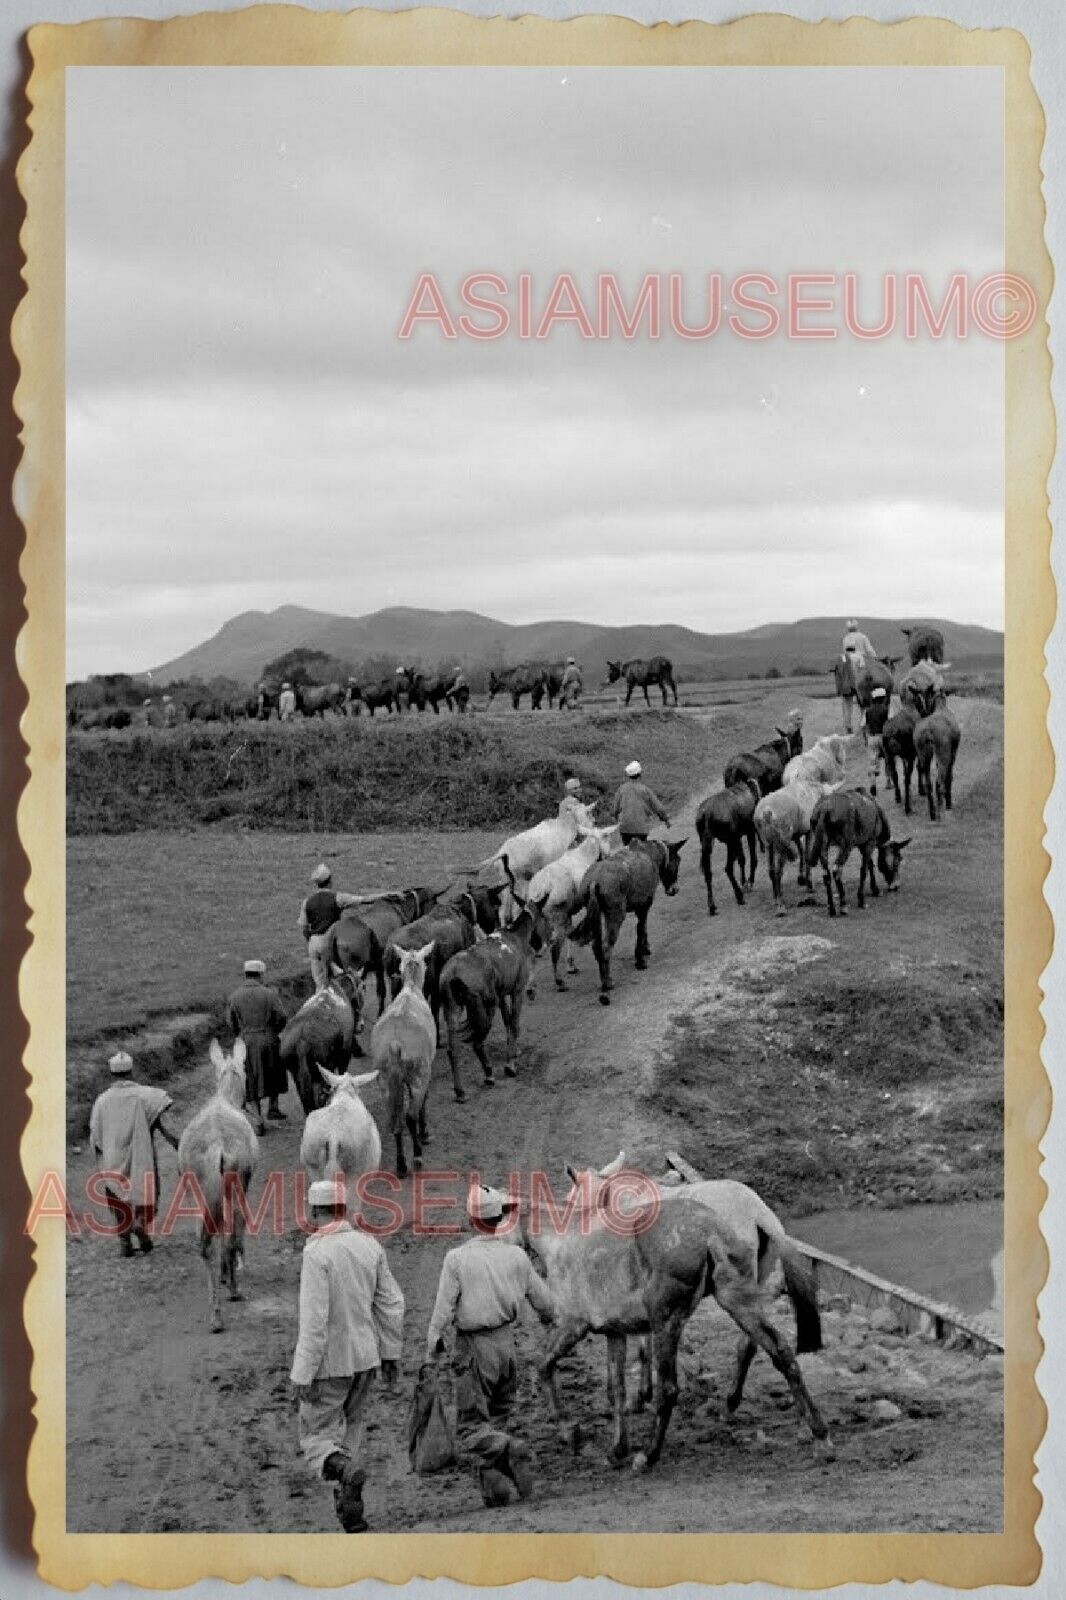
644	1385
752	855
775	864
734	854
926	770
739	1300
705	862
616	1366
511	1012
558	941
451	1022
647	702
949	773
212	1259
415	1132
827	879
870	873
629	692
746	1349
642	951
667	1337
843	853
564	1336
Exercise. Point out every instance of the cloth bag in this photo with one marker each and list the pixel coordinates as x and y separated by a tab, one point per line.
430	1442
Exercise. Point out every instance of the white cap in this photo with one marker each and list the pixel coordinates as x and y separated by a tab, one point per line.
255	969
634	769
570	661
877	694
572	785
121	1063
327	1192
851	623
321	874
796	716
488	1205
286	686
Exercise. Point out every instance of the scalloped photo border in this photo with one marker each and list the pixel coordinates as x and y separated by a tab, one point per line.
283	36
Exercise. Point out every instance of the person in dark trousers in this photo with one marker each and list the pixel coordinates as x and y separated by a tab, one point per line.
483	1286
636	807
255	1013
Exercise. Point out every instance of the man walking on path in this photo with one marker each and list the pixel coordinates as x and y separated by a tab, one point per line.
636	807
254	1012
351	1322
319	912
483	1285
286	703
571	687
122	1126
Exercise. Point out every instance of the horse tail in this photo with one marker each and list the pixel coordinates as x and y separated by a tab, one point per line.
333	1166
817	845
802	1291
594	920
706	833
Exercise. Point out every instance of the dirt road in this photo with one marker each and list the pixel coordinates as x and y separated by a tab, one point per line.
171	1428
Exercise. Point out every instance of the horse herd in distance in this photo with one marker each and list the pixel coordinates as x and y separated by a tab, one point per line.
407	689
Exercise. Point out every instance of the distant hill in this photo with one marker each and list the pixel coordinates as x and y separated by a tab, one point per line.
243	646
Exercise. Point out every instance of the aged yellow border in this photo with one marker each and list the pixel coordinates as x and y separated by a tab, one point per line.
289	36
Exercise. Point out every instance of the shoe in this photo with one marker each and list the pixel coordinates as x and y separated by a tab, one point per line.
517	1462
348	1499
496	1487
275	1115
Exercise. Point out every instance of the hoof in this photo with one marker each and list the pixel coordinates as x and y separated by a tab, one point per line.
641	966
562	987
605	999
842	912
509	1071
573	970
639	1464
824	1449
573	1437
460	1095
779	911
712	911
616	1460
488	1082
418	1162
235	1294
216	1322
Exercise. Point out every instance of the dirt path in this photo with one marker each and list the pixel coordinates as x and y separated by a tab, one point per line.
172	1428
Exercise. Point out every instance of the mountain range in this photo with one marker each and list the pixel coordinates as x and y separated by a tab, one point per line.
243	646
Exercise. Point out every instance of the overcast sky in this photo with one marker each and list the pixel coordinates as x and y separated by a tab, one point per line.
245	429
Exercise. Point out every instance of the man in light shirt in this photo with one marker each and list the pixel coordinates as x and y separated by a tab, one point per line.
351	1322
122	1128
483	1285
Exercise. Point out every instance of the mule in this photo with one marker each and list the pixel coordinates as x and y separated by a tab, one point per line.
765	764
519	681
783	823
402	1047
897	745
219	1150
729	816
357	939
624	883
638	674
924	644
341	1138
495	972
527	852
315	699
322	1034
936	740
851	819
645	1270
452	927
377	696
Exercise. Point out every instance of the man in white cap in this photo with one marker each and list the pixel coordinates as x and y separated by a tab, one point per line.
286	703
571	687
122	1127
351	1323
857	651
636	807
483	1285
256	1015
319	912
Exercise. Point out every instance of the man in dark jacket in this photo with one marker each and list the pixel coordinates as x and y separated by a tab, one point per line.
319	912
255	1014
636	807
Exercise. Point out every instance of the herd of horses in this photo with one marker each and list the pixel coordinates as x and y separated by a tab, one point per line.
452	957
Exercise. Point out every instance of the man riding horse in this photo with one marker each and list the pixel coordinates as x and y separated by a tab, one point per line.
857	651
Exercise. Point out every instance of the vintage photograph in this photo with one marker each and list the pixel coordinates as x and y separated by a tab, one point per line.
535	607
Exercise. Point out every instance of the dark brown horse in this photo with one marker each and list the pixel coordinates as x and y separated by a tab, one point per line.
517	681
357	941
936	739
495	972
315	699
765	765
897	745
847	820
379	695
451	927
640	674
924	644
322	1033
619	884
729	816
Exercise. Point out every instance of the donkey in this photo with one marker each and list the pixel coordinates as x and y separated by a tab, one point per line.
341	1138
402	1047
218	1150
851	819
357	940
322	1034
640	674
766	763
643	1270
729	816
936	738
897	745
498	971
625	882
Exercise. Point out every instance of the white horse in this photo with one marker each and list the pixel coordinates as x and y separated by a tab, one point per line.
218	1150
402	1046
555	889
